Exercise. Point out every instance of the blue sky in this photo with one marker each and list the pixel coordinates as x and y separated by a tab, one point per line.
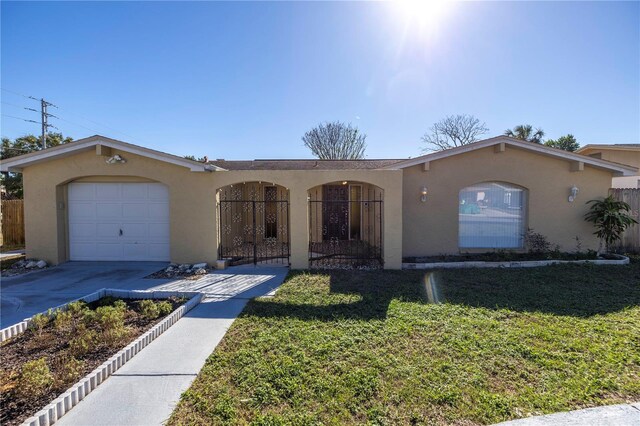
246	80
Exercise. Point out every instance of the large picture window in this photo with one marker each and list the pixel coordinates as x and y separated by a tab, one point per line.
491	215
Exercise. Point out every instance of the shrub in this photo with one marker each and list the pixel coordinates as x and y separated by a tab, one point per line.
149	309
83	341
77	308
610	218
165	307
62	320
72	370
111	320
35	377
39	322
535	242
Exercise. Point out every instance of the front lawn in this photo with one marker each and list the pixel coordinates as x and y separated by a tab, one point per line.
370	347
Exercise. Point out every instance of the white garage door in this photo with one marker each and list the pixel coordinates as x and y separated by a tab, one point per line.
118	221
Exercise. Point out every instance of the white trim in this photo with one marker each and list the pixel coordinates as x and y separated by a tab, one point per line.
618	169
601	147
16	164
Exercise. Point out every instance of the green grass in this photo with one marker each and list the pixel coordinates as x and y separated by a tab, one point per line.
369	348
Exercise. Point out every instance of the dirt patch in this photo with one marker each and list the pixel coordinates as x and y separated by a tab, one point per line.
44	361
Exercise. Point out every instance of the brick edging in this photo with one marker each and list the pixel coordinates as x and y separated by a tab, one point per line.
61	405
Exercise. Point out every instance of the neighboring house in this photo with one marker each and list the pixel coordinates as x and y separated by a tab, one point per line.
102	199
628	154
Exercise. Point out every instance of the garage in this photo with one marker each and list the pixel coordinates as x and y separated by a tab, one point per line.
118	221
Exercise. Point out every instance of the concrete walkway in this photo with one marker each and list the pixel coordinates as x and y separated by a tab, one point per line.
611	415
146	390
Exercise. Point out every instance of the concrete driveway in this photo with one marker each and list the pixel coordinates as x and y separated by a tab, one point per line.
25	295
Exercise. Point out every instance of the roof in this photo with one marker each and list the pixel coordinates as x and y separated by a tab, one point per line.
304	164
613	147
617	169
16	164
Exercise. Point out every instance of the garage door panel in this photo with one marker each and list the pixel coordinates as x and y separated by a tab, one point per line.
99	211
82	211
135	191
111	210
108	191
135	230
159	231
158	191
82	230
158	211
108	230
82	191
109	251
134	211
82	251
136	251
159	251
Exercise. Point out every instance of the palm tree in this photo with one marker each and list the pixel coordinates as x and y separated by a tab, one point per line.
525	132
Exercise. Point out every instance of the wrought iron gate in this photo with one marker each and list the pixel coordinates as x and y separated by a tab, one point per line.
346	226
254	224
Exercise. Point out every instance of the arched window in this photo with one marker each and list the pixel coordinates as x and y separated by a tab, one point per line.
491	215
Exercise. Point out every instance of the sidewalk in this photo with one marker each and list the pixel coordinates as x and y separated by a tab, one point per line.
610	415
146	390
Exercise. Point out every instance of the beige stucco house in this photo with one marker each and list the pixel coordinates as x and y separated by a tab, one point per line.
628	154
103	199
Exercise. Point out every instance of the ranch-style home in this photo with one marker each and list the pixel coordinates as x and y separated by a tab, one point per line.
102	199
618	153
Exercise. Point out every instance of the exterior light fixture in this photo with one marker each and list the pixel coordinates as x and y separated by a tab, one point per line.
423	194
116	159
573	193
344	182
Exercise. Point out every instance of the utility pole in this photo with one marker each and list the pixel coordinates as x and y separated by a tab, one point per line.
44	118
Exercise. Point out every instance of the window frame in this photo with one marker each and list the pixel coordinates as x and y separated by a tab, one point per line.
524	216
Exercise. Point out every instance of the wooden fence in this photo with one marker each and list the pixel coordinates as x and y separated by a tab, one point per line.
631	238
12	226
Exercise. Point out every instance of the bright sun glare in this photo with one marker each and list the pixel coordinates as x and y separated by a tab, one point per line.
426	15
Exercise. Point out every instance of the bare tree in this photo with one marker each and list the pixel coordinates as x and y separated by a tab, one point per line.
453	131
335	141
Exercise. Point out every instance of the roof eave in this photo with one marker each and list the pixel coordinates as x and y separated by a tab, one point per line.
17	164
617	170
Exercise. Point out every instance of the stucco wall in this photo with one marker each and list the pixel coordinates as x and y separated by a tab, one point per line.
192	203
629	157
431	228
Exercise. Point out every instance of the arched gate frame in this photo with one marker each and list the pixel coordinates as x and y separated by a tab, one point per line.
346	225
254	224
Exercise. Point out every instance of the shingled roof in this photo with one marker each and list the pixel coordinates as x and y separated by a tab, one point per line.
303	164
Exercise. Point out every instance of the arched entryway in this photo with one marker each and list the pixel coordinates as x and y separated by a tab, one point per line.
346	225
253	223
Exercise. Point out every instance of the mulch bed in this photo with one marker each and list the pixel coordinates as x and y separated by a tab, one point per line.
500	256
53	345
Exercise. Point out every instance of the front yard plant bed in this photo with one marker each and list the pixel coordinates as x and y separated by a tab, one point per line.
473	347
501	256
63	346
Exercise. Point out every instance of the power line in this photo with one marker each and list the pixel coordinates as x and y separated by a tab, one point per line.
46	115
16	93
20	118
16	105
